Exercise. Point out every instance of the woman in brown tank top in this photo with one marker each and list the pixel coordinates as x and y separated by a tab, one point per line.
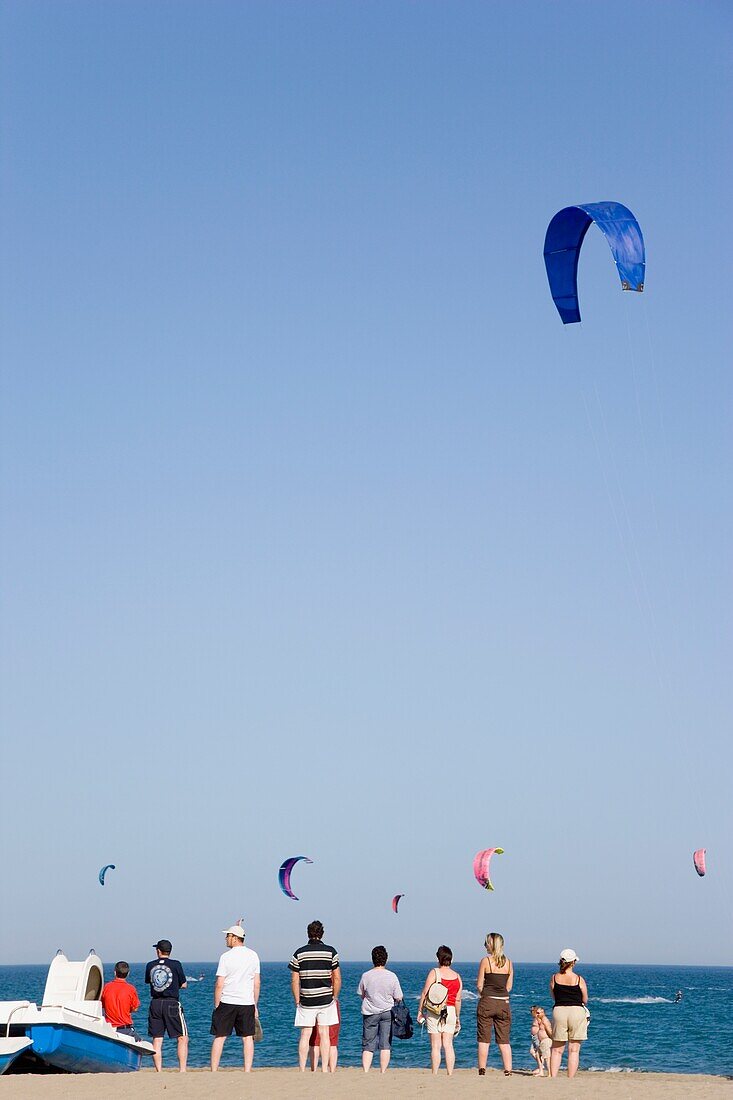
494	983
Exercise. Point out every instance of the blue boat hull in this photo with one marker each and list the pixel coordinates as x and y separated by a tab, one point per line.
77	1051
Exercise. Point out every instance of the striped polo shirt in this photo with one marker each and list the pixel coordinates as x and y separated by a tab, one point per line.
315	963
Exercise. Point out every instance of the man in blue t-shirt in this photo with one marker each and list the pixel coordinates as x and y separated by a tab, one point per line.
166	978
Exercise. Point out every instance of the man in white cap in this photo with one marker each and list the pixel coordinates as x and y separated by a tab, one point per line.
236	993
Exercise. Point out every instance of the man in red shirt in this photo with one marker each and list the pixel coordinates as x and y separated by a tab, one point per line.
120	1000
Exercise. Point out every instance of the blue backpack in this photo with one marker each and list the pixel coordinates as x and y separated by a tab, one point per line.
401	1021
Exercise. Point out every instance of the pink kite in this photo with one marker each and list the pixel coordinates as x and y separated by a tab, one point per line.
698	858
481	864
396	901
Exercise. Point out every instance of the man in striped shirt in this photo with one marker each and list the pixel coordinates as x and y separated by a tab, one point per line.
315	979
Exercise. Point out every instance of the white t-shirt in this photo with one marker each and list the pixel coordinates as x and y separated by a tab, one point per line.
238	967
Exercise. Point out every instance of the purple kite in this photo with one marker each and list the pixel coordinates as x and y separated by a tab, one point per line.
698	858
285	872
396	901
481	865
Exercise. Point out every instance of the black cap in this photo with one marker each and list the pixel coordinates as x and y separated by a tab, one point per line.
164	945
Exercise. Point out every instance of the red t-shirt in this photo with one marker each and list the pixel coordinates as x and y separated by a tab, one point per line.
119	1001
452	985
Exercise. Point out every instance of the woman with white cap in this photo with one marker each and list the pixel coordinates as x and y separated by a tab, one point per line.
569	1016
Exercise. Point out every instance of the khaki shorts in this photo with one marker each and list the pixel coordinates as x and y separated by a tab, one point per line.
448	1028
545	1048
569	1022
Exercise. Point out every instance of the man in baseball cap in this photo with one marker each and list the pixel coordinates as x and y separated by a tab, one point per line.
236	994
166	978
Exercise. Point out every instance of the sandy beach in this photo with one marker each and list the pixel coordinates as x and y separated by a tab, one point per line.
286	1084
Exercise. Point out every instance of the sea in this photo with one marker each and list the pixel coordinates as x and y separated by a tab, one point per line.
635	1022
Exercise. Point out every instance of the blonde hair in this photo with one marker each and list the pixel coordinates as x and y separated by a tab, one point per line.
494	944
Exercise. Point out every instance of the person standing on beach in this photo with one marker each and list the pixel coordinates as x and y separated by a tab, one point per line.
379	989
166	978
236	993
120	1000
494	983
569	1016
541	1041
315	980
445	1023
314	1043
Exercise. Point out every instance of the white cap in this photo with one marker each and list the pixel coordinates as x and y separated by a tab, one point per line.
568	955
235	930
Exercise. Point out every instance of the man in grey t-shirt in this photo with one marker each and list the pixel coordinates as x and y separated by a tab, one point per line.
378	989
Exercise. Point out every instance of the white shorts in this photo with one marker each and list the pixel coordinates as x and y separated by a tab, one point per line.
324	1017
448	1028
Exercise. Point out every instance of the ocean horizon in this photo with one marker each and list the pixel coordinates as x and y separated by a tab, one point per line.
635	1022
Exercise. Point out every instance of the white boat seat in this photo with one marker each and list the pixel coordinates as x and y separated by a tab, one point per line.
70	982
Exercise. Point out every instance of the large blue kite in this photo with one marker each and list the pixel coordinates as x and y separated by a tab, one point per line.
563	240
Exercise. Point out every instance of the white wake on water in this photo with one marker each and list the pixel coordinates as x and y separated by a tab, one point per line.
633	1000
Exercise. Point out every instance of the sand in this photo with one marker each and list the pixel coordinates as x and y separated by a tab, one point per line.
286	1084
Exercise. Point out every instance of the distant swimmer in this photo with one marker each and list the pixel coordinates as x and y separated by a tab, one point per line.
678	996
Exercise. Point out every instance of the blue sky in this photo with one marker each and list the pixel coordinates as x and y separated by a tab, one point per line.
320	533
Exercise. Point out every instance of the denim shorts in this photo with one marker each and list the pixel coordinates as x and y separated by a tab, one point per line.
376	1031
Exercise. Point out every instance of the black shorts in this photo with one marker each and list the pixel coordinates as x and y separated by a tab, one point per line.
165	1017
240	1018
